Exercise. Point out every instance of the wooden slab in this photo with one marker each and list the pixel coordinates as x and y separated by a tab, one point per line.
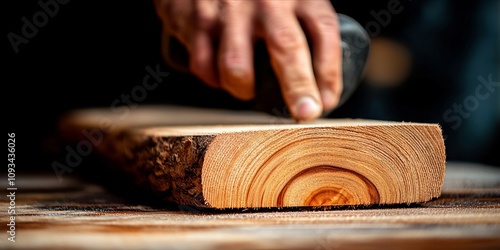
225	162
77	214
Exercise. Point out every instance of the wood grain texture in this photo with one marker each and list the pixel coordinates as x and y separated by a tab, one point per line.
325	163
78	214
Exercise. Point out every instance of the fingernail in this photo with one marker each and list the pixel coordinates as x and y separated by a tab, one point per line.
306	108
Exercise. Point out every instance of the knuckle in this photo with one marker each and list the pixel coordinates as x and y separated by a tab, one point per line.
286	39
233	64
205	21
330	74
229	4
296	83
230	11
327	23
206	16
231	58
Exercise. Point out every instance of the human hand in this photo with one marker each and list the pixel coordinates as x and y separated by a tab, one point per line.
219	37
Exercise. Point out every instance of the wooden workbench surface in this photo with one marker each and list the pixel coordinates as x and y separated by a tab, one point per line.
75	214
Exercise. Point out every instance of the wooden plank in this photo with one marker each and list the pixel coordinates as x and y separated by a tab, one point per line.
325	163
77	214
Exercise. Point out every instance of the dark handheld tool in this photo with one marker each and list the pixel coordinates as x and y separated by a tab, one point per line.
355	48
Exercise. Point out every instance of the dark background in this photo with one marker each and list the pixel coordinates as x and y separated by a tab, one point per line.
91	52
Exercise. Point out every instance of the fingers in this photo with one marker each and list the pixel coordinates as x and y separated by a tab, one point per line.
202	58
308	87
235	59
321	23
201	45
291	60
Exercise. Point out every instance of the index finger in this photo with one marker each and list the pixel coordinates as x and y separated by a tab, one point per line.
291	61
321	23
